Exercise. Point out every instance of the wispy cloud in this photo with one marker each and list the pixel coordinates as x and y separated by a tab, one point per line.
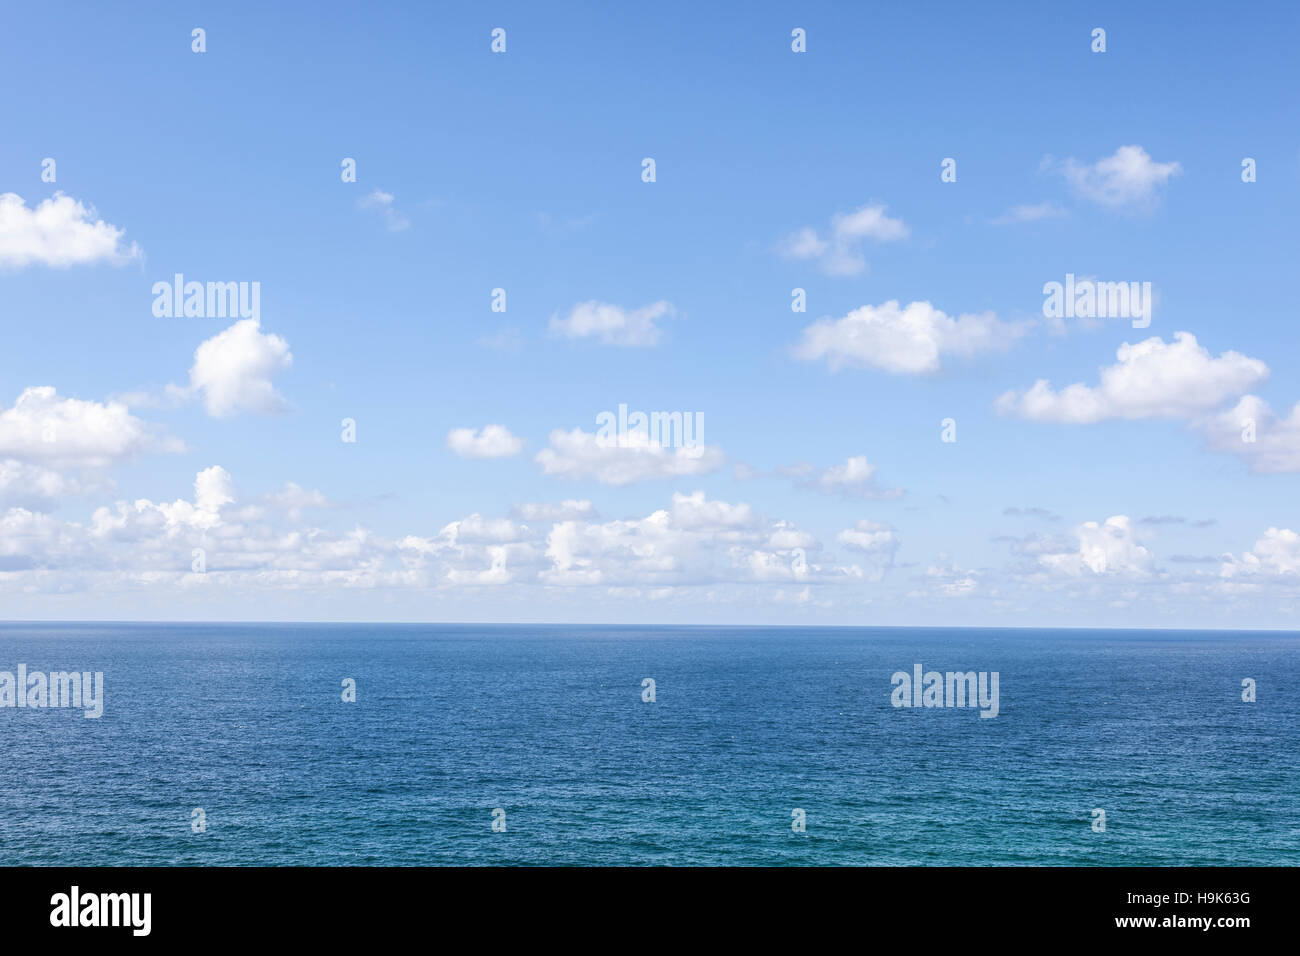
382	201
613	324
1031	213
1128	179
839	251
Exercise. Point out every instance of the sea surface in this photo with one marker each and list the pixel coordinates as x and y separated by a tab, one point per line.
547	723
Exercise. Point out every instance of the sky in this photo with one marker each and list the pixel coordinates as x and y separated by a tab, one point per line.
823	233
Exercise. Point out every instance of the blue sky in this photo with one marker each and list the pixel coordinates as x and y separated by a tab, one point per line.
828	495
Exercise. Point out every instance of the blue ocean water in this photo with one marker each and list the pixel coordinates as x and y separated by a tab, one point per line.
548	724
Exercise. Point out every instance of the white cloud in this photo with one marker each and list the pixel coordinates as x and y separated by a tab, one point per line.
840	252
476	529
35	486
1107	548
59	232
804	244
908	340
1029	213
784	536
69	432
266	544
876	540
152	543
868	222
147	535
948	579
578	454
491	441
140	544
233	370
213	490
869	536
1275	554
1129	178
856	478
1151	380
695	548
31	542
382	201
695	542
1274	447
495	574
694	513
613	324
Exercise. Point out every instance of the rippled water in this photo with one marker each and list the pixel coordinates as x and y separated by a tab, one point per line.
548	724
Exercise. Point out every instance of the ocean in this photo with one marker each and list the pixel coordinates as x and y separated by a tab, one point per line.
231	744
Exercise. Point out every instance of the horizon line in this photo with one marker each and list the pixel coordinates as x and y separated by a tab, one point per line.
577	624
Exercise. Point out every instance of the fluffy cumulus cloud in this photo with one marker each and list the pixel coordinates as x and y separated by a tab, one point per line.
839	251
490	441
1128	179
214	538
209	539
1152	379
54	448
1276	554
694	512
43	427
633	458
613	324
1267	442
909	340
58	232
1106	548
695	541
233	371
